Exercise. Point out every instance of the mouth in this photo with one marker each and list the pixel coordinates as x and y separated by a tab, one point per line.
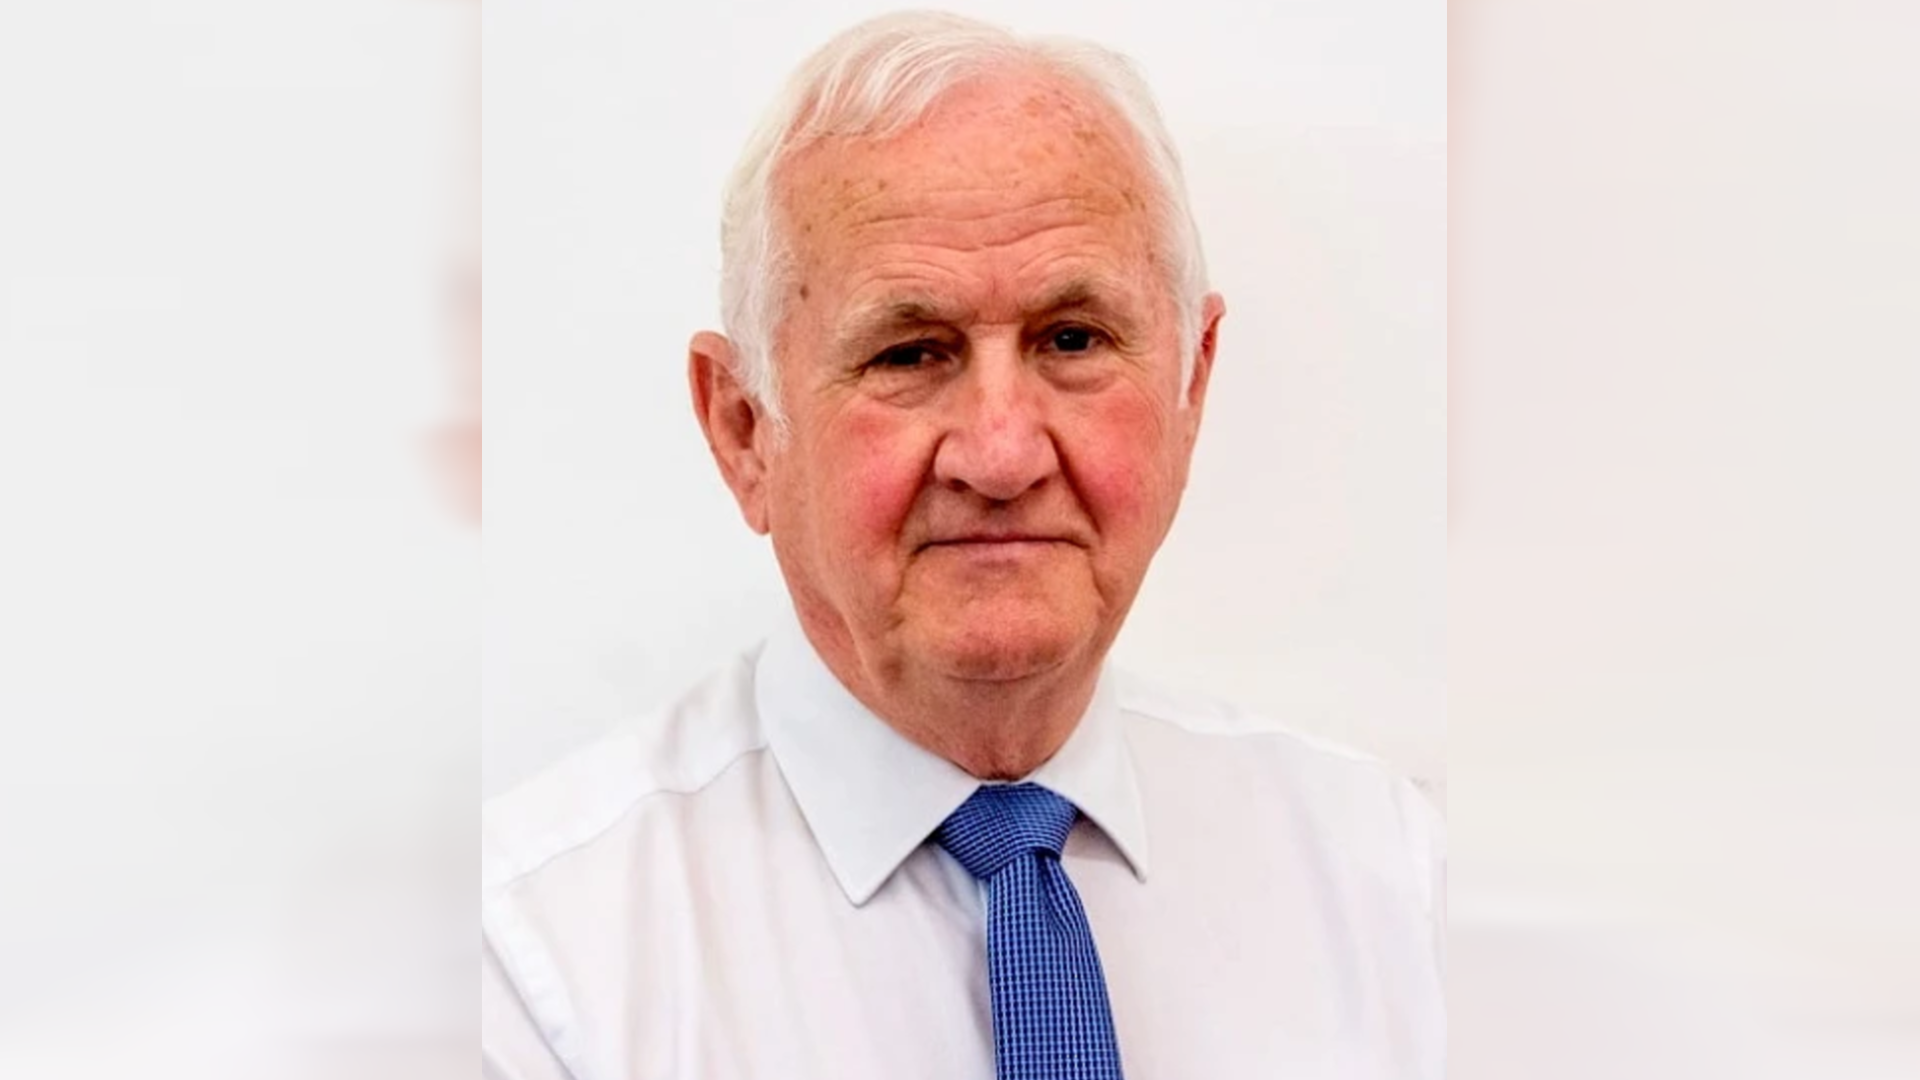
997	540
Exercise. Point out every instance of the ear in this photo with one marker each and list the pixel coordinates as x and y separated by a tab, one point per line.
732	422
1211	310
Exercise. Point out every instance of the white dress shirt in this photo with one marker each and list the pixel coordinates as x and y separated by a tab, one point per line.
743	886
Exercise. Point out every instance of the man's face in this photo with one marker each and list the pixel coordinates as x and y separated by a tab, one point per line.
981	369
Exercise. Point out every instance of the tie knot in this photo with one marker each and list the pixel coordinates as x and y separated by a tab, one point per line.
1000	822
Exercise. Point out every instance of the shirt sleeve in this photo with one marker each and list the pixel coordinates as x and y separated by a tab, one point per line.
511	1047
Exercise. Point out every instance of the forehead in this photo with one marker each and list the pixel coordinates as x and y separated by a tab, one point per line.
1009	183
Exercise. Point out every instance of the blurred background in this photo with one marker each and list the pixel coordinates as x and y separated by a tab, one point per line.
1681	637
239	609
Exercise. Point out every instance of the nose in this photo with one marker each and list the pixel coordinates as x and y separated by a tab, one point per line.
997	443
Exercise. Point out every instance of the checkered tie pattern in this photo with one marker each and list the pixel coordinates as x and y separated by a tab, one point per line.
1051	1018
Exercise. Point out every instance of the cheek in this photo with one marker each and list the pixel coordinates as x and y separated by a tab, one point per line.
1126	467
879	470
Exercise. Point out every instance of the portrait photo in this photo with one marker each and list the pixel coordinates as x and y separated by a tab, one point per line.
965	498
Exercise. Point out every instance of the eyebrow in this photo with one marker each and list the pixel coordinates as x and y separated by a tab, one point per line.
882	317
1097	294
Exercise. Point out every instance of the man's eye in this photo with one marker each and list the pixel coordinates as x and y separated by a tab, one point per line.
1072	339
903	356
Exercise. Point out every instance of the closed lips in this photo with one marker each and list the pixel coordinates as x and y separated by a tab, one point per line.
1000	538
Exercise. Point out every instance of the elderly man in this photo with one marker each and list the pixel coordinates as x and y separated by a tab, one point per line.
924	831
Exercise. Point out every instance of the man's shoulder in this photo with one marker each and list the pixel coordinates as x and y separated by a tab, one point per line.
1229	727
1373	808
676	750
1201	714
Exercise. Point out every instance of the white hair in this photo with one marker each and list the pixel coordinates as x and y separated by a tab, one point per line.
874	80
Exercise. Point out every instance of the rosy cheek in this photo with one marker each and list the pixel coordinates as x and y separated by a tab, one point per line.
1121	462
882	474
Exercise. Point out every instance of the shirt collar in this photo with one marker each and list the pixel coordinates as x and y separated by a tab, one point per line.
871	796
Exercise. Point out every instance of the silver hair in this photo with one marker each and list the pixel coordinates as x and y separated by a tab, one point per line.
878	78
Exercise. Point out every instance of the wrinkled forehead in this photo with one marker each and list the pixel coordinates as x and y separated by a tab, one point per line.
1000	161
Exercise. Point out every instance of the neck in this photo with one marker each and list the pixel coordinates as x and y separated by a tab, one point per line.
999	730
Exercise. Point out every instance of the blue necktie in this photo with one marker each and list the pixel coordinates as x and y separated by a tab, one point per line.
1051	1019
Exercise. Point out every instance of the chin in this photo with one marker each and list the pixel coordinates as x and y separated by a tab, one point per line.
1001	653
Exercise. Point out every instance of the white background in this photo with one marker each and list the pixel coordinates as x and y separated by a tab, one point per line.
1305	576
238	631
